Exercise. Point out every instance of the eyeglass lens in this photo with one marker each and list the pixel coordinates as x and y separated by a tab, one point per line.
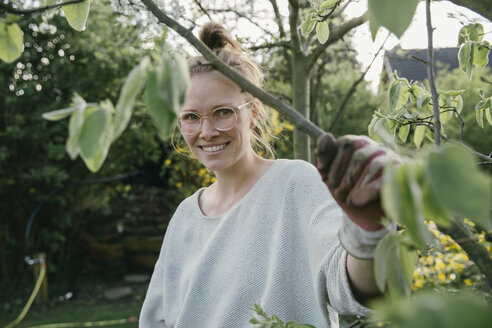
222	118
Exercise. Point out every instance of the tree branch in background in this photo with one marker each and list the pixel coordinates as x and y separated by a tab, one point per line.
480	6
462	235
341	9
291	114
198	3
240	15
280	44
335	35
18	11
354	87
278	19
430	74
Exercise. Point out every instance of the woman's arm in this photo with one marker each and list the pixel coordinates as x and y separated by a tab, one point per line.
351	167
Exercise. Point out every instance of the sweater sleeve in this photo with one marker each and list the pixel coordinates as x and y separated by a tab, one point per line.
327	257
152	313
332	260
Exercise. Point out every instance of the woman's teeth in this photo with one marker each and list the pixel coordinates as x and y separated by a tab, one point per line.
213	148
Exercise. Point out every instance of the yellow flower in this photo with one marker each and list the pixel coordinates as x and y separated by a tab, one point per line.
179	185
128	188
418	284
288	126
167	162
441	276
202	172
467	282
440	265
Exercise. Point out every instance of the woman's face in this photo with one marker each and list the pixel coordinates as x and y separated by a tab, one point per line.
218	150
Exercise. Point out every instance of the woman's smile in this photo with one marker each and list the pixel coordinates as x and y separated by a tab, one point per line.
214	149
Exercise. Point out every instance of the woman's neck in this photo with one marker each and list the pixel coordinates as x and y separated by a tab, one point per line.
233	184
242	175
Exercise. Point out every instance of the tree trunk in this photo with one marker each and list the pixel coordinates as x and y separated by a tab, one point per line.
300	98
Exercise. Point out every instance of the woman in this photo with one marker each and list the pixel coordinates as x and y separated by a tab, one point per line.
266	232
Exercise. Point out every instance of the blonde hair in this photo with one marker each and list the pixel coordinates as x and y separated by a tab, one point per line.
214	36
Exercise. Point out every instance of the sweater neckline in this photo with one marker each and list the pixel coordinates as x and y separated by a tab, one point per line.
242	200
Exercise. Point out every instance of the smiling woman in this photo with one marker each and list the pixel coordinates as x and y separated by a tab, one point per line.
266	231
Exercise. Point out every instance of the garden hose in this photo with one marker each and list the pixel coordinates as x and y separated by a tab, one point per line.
35	291
87	324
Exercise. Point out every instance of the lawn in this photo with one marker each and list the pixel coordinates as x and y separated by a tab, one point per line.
90	305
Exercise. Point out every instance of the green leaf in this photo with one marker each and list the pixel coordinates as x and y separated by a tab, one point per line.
96	135
322	32
403	132
465	58
402	201
77	14
75	126
133	85
373	25
59	114
433	210
488	112
479	117
160	111
458	183
393	265
418	135
394	94
11	41
471	32
396	16
328	4
481	54
308	25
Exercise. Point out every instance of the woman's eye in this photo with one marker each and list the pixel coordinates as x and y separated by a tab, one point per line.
190	117
223	112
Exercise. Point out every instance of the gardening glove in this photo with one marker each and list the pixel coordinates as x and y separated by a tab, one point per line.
352	167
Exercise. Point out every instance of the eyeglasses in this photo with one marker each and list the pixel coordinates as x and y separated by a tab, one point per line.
222	118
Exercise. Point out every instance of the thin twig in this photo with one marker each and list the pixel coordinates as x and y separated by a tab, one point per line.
198	3
420	59
291	114
325	17
430	75
18	11
354	87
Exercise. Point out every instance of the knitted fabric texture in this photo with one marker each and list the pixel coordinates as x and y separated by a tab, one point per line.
276	247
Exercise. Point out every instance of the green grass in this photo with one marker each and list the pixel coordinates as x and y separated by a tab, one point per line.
88	306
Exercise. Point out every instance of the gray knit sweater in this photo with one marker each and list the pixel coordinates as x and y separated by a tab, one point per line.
276	247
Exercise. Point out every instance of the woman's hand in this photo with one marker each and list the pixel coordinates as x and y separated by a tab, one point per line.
351	167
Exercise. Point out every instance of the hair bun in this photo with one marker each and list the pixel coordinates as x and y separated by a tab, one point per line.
214	36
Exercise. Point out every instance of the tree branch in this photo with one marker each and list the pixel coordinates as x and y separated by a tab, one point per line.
198	3
335	35
294	32
283	44
241	15
278	19
291	114
354	87
430	75
18	11
462	235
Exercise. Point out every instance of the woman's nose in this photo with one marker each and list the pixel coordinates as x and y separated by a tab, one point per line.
208	130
